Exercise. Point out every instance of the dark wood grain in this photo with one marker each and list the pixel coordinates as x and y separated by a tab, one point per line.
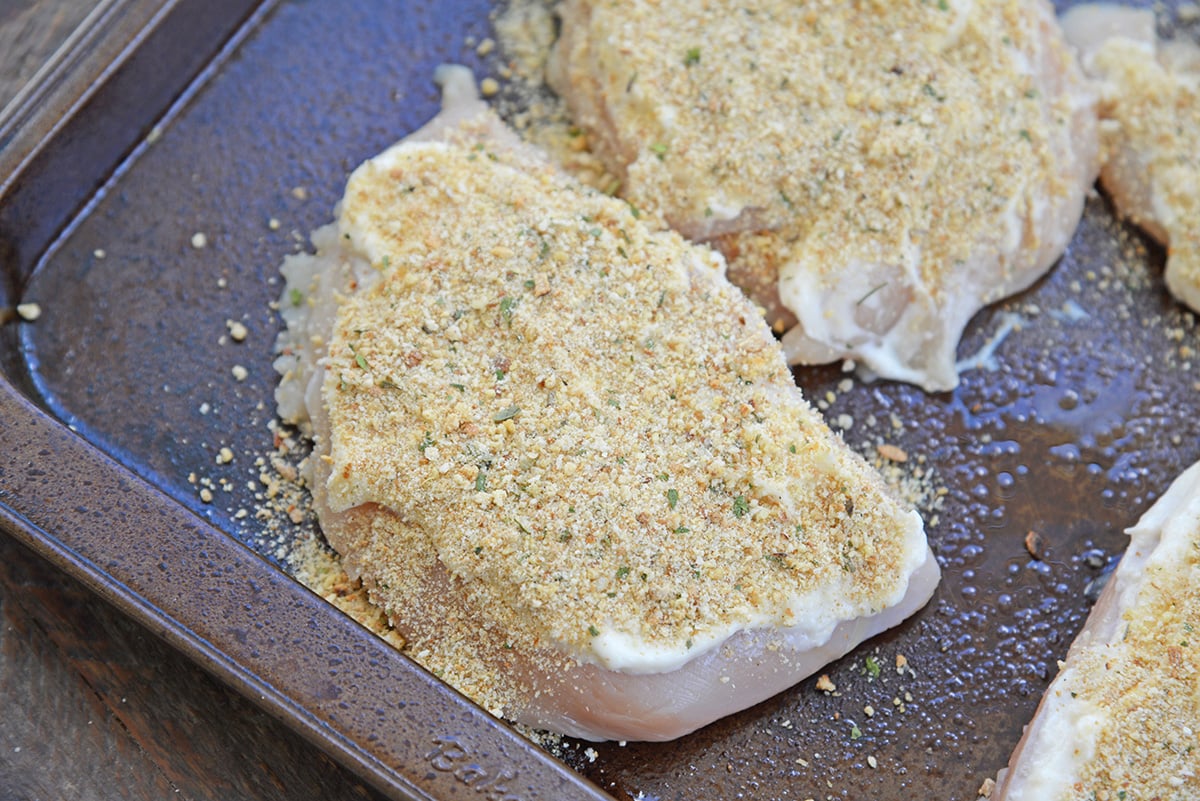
95	707
30	32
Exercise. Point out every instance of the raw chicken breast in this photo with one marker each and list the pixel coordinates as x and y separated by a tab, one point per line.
1150	129
566	456
874	172
1123	714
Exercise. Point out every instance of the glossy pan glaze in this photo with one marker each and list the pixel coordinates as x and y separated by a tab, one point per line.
224	117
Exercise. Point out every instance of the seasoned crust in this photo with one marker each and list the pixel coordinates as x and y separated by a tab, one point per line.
875	172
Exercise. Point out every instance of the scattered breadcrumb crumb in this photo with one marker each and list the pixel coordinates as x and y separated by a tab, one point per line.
1035	545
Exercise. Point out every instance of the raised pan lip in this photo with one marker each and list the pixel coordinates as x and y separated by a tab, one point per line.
166	548
47	102
393	724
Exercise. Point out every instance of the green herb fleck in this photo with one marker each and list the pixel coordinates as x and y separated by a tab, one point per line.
740	506
427	442
672	497
296	296
875	289
1025	135
682	530
506	308
622	572
872	667
359	360
592	630
692	58
855	732
506	414
659	149
481	481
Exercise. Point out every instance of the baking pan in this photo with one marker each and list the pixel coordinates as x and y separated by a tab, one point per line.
240	121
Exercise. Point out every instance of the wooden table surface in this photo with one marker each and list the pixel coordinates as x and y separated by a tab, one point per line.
91	705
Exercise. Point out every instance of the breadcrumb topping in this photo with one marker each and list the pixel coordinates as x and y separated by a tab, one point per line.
866	129
589	428
874	171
